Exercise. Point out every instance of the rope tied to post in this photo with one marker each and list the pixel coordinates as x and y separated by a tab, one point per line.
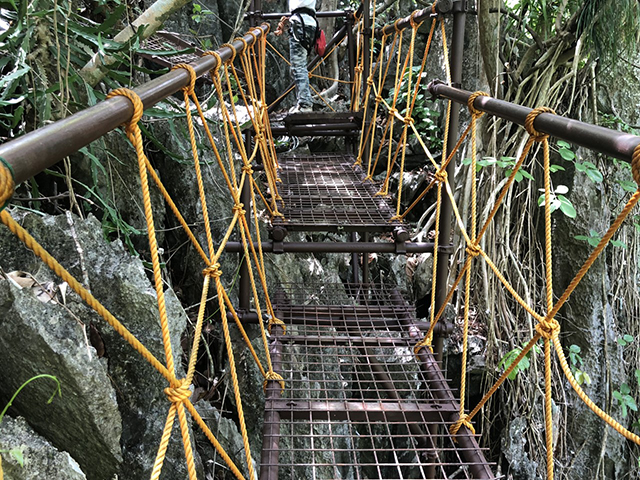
427	341
276	321
7	183
463	420
470	103
234	52
188	89
272	376
635	164
218	58
531	117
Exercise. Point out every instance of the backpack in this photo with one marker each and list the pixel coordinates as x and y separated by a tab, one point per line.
319	42
320	45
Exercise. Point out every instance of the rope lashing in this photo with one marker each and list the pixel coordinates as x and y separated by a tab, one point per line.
247	169
234	52
178	394
635	164
425	342
217	56
276	321
189	89
463	420
7	183
470	103
531	117
272	376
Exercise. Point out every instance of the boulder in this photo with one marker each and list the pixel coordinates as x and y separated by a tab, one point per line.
28	456
37	337
120	282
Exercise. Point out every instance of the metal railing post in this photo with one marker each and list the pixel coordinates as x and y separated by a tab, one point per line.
442	271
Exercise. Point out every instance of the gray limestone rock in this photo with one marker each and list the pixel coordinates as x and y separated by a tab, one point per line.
37	337
120	282
38	458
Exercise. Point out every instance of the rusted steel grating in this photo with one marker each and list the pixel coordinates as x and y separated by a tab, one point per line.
324	192
357	403
166	42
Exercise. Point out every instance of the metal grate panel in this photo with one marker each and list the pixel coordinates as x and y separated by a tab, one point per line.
357	403
324	192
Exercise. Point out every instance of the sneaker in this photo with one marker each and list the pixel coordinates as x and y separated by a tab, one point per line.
300	109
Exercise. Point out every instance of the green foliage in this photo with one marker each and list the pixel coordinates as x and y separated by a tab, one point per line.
17	453
507	360
625	340
594	239
580	375
558	200
625	400
507	163
57	391
424	116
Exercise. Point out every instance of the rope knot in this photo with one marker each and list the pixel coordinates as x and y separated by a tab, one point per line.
393	112
370	82
473	250
273	376
7	183
178	394
239	209
212	271
133	97
276	321
441	175
218	58
358	69
470	104
425	342
189	89
234	52
247	169
378	98
547	328
408	120
635	164
463	420
531	117
396	27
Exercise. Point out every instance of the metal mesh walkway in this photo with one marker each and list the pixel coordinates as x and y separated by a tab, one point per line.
358	404
324	192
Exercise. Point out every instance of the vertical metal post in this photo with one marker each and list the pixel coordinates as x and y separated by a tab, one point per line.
244	284
442	272
270	459
367	33
365	260
351	48
355	262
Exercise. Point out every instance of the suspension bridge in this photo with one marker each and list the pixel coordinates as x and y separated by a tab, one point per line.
353	381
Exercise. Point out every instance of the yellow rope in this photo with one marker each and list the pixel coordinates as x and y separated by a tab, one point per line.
7	184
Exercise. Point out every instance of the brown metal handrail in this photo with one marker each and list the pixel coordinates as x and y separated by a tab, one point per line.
38	150
613	143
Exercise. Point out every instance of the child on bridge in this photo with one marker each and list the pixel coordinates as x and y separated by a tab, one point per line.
303	27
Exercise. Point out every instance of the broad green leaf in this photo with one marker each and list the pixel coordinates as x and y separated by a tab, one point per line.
567	207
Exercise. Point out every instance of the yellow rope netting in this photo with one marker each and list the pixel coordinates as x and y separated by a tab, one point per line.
178	392
547	328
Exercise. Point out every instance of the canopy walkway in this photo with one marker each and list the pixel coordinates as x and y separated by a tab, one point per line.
354	385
